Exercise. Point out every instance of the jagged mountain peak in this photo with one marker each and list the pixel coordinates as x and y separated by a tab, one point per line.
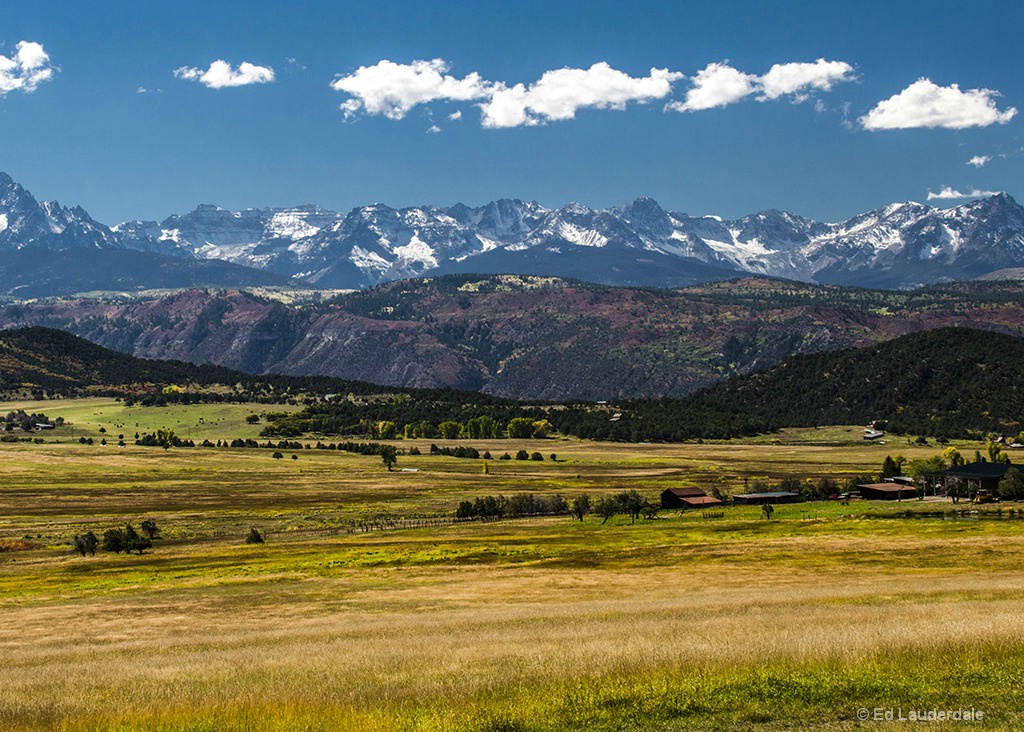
897	245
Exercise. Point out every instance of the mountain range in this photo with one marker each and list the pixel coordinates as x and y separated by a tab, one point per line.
899	246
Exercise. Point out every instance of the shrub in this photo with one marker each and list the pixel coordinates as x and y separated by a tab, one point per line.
254	537
85	543
150	529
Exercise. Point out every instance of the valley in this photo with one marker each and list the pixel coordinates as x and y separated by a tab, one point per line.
684	621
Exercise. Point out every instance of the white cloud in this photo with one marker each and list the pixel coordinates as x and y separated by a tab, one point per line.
719	84
716	85
456	115
433	130
799	78
393	89
26	69
221	75
507	108
948	192
926	104
558	94
978	161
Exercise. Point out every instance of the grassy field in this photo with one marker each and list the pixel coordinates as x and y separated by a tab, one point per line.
683	622
85	418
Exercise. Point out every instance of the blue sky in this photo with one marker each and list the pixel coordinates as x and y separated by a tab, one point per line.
797	138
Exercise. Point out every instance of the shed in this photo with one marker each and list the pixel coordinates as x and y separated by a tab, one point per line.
759	498
887	491
686	498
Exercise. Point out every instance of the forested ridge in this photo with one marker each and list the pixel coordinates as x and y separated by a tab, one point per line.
947	382
950	382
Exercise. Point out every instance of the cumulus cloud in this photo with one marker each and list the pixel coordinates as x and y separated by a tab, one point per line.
926	104
716	85
798	79
978	161
433	130
558	94
221	74
719	84
26	69
949	193
393	89
456	115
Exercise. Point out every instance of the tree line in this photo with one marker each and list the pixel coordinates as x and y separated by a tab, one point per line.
117	540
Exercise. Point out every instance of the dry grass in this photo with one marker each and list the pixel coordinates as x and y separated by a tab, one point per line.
541	624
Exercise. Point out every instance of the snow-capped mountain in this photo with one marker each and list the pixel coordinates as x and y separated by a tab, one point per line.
899	245
26	222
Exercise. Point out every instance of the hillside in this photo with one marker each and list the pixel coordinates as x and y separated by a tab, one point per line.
44	358
943	382
525	337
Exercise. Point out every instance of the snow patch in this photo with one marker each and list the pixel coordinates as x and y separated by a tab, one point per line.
290	225
416	250
368	261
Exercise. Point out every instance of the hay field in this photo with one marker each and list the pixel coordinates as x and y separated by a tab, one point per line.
533	624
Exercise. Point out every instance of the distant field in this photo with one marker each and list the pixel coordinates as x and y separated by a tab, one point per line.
195	421
683	622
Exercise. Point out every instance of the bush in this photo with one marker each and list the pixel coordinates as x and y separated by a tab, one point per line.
1011	487
254	537
537	456
522	455
125	540
150	529
85	543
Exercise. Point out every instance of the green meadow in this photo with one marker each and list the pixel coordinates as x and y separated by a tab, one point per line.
686	621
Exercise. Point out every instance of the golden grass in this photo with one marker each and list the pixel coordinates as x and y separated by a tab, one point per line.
539	624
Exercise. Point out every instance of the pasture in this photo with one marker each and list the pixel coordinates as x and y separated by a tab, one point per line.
543	623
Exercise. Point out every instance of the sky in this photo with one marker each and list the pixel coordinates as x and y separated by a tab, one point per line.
143	109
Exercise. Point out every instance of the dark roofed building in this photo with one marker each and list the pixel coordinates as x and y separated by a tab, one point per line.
686	498
776	497
975	476
887	491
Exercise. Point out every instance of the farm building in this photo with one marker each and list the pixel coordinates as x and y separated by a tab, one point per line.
687	498
889	491
973	476
759	498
